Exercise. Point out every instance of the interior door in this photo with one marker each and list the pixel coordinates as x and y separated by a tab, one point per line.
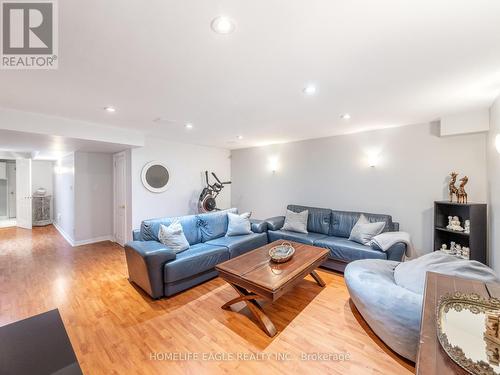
11	189
120	198
23	193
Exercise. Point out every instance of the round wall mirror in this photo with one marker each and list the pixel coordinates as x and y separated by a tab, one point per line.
155	177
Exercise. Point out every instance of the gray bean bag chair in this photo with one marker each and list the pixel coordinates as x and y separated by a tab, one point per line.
389	294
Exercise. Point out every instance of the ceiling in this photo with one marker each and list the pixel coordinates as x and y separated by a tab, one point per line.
14	144
386	62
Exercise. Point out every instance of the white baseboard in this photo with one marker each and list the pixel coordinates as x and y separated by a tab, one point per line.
94	240
65	235
74	243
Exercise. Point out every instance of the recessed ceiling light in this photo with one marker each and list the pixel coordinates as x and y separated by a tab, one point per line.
222	25
345	116
309	90
240	137
188	125
110	109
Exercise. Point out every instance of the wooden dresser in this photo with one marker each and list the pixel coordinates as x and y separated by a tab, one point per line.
431	358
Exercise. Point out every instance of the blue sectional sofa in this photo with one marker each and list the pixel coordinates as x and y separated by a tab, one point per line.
160	272
331	229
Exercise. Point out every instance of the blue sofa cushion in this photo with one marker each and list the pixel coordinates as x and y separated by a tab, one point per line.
318	220
214	224
238	245
150	228
343	221
347	251
307	238
198	258
258	226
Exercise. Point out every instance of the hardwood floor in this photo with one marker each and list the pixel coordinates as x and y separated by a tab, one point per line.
116	329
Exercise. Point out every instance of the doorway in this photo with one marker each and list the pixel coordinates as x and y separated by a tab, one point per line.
120	198
7	193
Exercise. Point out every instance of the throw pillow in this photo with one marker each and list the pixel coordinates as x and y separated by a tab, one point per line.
238	225
363	231
411	275
173	236
296	221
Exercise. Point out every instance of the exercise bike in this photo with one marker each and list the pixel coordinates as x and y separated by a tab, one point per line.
206	202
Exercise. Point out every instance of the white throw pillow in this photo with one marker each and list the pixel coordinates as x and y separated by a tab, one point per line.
173	236
296	221
363	231
238	225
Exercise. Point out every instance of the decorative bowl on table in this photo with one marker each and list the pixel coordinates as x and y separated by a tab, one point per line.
282	253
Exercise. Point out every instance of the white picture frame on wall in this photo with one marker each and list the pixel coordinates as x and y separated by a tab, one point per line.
156	177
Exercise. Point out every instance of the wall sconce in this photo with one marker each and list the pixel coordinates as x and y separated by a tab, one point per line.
373	159
497	143
273	164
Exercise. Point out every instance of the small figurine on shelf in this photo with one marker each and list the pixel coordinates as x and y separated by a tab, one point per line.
462	194
451	186
444	248
467	226
465	253
454	224
452	248
458	250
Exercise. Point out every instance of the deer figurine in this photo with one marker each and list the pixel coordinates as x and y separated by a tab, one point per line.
462	194
451	186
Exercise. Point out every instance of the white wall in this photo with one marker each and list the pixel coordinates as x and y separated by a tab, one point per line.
3	189
83	197
64	197
42	176
466	122
38	123
333	172
494	187
93	196
186	164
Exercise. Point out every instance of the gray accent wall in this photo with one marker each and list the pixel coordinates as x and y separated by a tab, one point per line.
334	172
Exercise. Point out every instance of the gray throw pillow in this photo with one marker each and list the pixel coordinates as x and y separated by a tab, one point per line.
173	236
296	221
238	225
363	231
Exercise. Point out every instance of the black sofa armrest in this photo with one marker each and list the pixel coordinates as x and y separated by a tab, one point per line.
258	226
395	226
275	223
145	261
396	252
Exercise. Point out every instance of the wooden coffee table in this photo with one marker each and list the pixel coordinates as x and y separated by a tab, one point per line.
253	275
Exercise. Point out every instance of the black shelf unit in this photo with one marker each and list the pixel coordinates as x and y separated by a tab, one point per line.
476	240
